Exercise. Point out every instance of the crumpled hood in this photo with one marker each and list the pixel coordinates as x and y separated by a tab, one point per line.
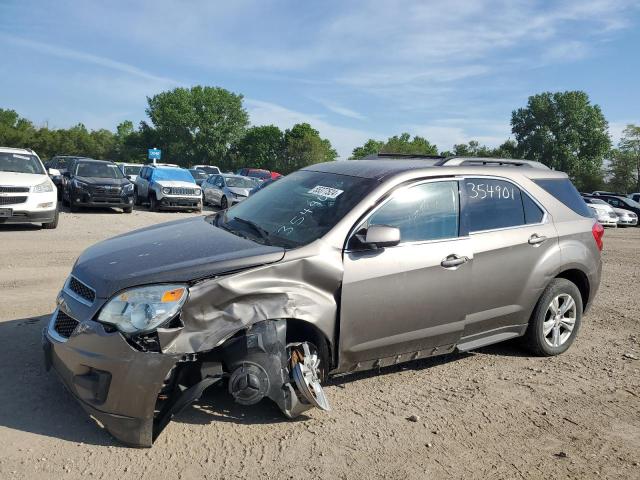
240	191
178	251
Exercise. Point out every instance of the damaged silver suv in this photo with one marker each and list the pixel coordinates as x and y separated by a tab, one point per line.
336	268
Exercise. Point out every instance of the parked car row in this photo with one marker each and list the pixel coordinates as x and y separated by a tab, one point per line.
613	209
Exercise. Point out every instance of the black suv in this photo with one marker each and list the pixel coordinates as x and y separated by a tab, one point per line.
96	183
62	164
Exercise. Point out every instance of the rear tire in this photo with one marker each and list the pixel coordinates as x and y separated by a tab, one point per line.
53	224
556	319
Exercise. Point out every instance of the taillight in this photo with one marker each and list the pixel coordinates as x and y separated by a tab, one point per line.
598	233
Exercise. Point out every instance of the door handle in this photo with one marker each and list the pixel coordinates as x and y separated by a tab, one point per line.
536	239
453	261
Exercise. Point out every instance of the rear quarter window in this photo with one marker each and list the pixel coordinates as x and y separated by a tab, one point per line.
564	191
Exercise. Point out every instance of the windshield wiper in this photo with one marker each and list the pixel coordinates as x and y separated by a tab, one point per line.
264	235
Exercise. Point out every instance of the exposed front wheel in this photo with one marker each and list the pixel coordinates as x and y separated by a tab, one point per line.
223	203
153	203
127	209
556	319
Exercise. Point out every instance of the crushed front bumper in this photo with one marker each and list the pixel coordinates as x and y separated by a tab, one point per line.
115	383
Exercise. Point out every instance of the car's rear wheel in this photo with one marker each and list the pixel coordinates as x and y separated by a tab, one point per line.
224	204
54	223
556	319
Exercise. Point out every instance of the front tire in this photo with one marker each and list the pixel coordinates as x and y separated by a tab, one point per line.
127	209
53	224
224	204
556	319
153	203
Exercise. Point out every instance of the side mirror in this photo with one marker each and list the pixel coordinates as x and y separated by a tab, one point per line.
380	236
128	177
53	172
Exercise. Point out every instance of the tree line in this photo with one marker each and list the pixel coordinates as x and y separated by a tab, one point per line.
198	125
563	130
209	125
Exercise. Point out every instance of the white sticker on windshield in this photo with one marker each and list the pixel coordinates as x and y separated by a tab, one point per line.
326	192
21	157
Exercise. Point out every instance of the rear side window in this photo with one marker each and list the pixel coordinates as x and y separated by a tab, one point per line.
563	190
493	204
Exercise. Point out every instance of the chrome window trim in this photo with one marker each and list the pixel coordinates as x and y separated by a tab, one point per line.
388	196
74	295
545	214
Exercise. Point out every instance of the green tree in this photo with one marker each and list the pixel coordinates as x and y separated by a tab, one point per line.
303	146
402	144
624	163
15	131
371	147
565	132
261	147
197	124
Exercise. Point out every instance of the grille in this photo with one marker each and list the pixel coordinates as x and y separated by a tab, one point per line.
108	191
14	189
12	200
64	325
80	289
182	191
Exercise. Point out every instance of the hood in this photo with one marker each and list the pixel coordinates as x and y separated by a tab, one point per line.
240	191
601	207
175	183
120	182
178	251
14	179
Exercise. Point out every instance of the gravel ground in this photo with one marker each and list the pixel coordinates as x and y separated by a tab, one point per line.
492	413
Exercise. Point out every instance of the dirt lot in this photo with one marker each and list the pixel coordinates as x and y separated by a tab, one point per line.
493	413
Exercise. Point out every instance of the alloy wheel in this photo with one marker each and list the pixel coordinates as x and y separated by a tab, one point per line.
560	319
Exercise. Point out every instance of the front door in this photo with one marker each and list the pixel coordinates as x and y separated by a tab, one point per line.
404	299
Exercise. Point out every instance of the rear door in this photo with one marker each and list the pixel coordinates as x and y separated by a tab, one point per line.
405	299
512	237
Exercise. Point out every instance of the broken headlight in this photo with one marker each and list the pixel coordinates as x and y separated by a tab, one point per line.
143	309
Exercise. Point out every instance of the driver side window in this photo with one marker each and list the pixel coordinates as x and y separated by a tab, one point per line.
429	211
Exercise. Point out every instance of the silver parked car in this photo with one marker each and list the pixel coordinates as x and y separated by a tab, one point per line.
226	189
338	267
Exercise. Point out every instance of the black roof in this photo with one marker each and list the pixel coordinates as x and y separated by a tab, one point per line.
376	169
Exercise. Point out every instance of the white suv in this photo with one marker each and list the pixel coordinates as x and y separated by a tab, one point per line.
27	194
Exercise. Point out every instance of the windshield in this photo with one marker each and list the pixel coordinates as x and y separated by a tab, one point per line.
197	174
98	170
210	170
258	174
631	203
132	169
297	209
598	201
19	163
239	182
175	174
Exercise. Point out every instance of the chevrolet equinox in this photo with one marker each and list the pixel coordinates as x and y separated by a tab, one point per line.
338	267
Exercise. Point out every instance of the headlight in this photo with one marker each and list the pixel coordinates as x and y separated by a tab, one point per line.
80	185
144	309
43	187
128	187
198	191
166	190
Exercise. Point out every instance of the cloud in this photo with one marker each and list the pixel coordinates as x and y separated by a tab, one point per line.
79	56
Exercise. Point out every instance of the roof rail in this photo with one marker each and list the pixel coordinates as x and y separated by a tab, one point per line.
489	162
375	156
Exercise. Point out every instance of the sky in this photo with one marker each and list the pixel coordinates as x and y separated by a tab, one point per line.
450	70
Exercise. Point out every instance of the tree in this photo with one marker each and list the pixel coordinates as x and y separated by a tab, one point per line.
15	131
565	132
630	145
402	144
371	147
197	125
303	146
261	147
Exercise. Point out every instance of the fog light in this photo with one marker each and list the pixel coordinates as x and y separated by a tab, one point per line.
45	205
